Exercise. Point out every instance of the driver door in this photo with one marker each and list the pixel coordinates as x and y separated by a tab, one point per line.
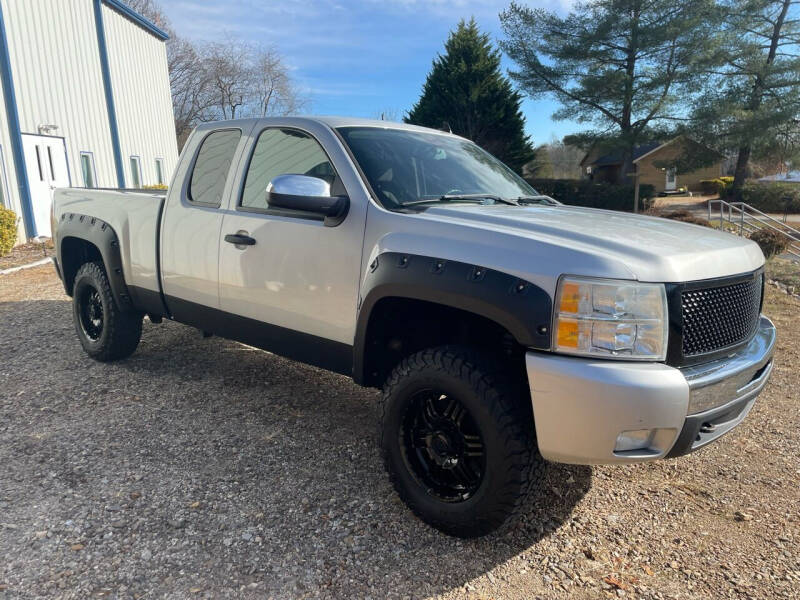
298	276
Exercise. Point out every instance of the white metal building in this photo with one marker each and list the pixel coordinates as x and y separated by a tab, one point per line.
84	102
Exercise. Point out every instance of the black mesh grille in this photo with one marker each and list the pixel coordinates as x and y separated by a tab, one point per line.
719	317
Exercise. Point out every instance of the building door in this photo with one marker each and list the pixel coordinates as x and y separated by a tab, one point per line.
46	164
672	179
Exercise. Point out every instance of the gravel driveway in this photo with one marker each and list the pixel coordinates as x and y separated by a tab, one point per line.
203	468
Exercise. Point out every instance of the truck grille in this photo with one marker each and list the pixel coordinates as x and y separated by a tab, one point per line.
720	317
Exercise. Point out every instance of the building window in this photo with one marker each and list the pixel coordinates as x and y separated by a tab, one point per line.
50	160
136	172
160	171
39	163
87	169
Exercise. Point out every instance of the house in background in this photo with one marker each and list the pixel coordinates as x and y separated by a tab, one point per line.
650	161
85	101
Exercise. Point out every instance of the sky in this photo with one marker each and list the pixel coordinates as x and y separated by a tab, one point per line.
358	57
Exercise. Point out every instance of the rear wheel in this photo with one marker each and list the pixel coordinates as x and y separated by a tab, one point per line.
457	438
105	332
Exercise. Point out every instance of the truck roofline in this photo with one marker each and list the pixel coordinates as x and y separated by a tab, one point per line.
333	122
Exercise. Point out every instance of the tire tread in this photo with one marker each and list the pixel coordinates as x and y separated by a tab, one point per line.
124	329
503	395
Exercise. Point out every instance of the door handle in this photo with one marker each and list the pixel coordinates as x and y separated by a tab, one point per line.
239	239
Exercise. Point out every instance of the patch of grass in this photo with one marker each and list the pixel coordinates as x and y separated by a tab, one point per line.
784	271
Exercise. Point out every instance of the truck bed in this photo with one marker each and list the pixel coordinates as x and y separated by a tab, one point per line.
133	215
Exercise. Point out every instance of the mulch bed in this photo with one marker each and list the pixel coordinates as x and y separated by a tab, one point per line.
27	253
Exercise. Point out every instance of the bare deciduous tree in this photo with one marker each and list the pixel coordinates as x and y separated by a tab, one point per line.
274	90
245	80
151	10
189	84
222	80
565	159
389	114
229	74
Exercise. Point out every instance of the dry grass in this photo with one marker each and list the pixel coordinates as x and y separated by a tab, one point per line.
785	271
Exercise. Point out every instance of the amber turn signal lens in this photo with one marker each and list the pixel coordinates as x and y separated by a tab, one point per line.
567	333
570	298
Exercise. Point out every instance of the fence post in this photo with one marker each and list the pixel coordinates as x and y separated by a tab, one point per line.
741	223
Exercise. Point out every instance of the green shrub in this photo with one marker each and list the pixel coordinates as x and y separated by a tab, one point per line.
8	230
582	192
721	186
772	243
725	186
772	197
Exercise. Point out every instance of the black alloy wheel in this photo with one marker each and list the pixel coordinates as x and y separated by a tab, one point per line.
457	437
91	312
442	446
105	331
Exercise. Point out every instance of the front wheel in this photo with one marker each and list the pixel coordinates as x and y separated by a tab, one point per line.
458	440
105	332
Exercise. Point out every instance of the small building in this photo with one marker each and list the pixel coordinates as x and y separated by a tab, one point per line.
655	164
85	101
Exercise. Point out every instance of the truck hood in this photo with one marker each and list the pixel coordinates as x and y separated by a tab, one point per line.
651	248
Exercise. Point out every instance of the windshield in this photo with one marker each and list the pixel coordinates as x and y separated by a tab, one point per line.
406	167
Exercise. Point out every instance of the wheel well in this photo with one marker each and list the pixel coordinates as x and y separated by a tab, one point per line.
74	253
399	327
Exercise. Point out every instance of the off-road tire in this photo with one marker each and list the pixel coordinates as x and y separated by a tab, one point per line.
119	332
499	405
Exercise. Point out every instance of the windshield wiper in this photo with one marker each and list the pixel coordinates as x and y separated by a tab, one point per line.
461	198
538	200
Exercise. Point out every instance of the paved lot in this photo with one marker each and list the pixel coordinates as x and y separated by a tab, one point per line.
203	468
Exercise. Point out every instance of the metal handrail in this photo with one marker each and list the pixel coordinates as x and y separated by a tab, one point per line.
746	222
742	208
742	205
757	220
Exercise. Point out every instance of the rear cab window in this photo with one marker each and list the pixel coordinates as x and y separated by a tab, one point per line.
212	167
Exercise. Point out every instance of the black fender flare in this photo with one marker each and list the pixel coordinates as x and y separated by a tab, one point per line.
105	239
522	308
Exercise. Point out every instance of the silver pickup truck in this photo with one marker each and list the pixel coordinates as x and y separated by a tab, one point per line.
504	328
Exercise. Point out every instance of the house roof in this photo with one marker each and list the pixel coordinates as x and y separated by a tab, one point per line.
134	16
640	152
615	157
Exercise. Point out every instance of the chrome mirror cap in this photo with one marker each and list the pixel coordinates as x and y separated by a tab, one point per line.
299	185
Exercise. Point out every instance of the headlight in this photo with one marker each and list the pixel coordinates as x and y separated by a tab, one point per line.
611	318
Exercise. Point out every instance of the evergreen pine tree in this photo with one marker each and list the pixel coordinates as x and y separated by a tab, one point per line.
626	66
752	100
467	93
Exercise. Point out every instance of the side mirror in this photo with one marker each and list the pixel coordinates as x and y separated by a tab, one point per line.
307	194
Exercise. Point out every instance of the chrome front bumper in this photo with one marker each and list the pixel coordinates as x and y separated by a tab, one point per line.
581	405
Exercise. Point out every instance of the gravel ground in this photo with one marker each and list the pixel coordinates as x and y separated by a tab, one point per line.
203	468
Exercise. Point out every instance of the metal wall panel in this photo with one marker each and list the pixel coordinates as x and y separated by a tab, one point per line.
140	81
56	67
7	167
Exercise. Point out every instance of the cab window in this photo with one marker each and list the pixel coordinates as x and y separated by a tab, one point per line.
283	152
212	167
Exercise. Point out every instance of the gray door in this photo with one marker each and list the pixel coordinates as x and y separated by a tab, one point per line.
299	274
